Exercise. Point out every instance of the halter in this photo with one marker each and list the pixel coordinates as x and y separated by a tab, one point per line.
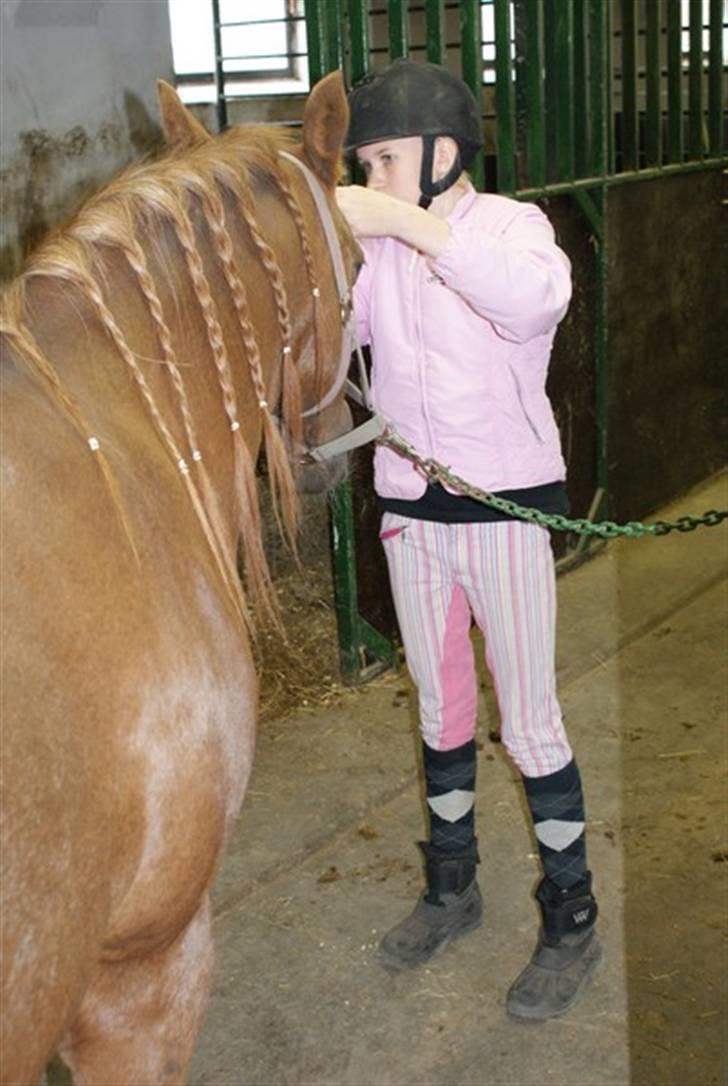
376	425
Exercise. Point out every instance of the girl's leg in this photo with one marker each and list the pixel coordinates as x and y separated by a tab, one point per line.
434	620
510	581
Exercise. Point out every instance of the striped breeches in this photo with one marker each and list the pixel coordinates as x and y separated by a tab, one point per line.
502	575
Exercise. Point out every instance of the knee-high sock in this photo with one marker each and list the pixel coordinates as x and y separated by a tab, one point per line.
556	803
450	786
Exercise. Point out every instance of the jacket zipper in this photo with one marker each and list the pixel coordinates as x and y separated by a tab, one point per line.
527	417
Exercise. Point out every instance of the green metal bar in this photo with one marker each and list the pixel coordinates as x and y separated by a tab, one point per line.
534	79
316	39
359	33
358	641
630	130
599	101
550	93
580	110
220	99
601	351
613	180
564	30
472	68
505	132
695	81
674	82
611	113
334	37
398	29
715	78
653	119
435	31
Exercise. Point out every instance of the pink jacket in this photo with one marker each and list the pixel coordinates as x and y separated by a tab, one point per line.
461	345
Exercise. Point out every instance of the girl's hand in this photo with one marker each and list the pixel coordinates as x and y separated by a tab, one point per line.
370	214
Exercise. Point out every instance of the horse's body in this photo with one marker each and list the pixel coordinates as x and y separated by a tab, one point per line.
129	698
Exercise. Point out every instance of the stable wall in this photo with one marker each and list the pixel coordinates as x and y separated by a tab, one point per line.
77	102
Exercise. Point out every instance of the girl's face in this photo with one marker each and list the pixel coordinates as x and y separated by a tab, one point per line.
393	167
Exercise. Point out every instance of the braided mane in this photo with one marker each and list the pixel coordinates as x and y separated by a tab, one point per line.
153	197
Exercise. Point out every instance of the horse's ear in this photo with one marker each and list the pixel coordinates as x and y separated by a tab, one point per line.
325	121
181	129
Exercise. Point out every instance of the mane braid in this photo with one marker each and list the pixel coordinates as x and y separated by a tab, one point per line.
297	215
292	409
213	525
87	284
249	522
282	484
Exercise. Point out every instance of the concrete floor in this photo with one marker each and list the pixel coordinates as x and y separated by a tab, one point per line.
323	862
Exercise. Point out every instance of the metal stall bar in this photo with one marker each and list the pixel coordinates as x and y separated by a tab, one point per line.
436	46
630	129
695	81
505	127
564	32
472	68
398	28
653	128
220	100
580	112
334	38
534	88
599	87
316	39
715	78
674	82
359	38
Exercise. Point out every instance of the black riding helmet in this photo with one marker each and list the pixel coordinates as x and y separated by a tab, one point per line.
410	99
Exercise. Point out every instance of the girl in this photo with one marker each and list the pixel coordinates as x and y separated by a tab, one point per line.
459	298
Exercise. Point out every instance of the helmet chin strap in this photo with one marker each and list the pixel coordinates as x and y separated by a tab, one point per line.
429	188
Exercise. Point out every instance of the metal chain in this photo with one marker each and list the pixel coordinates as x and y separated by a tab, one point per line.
606	529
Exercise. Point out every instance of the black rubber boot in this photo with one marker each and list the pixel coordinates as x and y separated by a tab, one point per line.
451	907
566	955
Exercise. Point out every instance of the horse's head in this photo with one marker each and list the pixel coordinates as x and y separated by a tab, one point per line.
319	301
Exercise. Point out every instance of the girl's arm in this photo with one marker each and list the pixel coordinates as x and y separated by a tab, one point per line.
372	214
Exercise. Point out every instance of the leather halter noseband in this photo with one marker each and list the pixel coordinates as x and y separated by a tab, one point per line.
376	425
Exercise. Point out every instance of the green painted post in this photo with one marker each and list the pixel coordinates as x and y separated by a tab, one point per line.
505	129
715	78
334	37
359	32
472	69
564	31
653	134
580	111
550	91
630	130
435	31
695	81
398	29
599	100
535	115
220	99
674	82
316	39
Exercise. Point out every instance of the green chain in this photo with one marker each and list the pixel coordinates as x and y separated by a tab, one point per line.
607	529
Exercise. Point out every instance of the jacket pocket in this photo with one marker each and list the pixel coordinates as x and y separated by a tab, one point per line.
521	400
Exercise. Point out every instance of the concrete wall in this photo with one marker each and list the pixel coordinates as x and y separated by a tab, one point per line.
77	101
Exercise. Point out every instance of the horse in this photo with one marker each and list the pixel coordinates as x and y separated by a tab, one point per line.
188	318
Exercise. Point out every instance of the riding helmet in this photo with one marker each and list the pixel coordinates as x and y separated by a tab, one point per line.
413	99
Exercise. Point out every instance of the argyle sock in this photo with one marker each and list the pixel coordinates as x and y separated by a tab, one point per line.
556	803
450	787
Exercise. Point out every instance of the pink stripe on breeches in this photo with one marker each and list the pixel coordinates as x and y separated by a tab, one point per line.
501	574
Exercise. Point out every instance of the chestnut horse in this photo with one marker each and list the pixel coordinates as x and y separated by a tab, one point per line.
148	347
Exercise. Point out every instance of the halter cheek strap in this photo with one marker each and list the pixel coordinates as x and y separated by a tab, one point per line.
376	425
